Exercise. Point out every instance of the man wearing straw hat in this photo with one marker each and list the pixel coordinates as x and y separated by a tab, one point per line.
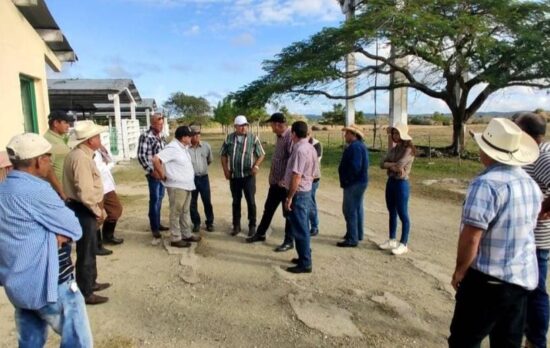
353	174
36	270
496	264
84	189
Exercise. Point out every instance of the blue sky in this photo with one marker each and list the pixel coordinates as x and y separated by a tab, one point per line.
212	47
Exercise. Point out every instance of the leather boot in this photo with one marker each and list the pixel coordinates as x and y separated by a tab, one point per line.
109	233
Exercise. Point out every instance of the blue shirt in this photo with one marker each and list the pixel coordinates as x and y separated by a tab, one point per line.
504	202
31	216
354	165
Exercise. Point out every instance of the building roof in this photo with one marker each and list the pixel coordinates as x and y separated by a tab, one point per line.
36	12
84	94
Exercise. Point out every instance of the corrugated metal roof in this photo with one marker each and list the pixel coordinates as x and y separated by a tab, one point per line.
82	94
39	17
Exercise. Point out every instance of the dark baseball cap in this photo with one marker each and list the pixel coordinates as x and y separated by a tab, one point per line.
276	117
60	115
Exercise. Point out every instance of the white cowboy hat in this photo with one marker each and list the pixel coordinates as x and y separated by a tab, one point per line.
84	130
403	130
354	129
506	143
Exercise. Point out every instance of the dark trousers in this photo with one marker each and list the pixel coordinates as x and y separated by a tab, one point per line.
275	196
156	194
248	186
488	306
538	306
86	268
202	184
298	219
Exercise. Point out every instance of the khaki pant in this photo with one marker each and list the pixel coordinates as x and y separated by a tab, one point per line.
180	216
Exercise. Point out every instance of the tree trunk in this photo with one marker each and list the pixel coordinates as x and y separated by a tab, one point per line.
457	145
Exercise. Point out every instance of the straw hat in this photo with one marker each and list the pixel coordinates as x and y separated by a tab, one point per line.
84	130
355	130
403	130
506	143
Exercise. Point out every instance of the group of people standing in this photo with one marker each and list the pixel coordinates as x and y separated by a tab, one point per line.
503	248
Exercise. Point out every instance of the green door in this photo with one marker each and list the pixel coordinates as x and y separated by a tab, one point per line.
28	100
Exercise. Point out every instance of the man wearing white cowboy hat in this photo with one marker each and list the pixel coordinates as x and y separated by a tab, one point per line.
84	190
496	265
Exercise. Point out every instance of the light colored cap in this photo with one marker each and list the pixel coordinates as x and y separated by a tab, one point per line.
84	130
506	143
403	130
26	146
4	159
355	130
240	120
195	129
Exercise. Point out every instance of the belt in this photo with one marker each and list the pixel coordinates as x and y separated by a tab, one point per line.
316	179
201	176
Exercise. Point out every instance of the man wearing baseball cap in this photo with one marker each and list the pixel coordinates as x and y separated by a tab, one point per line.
59	122
496	265
36	232
84	189
241	155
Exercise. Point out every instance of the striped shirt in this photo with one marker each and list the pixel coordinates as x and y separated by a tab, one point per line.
201	156
66	267
32	215
283	148
148	146
242	152
504	202
540	172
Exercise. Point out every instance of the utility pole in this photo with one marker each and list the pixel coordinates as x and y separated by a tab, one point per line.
348	8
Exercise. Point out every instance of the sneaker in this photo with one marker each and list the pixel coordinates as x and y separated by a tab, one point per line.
156	241
210	228
196	228
389	244
401	249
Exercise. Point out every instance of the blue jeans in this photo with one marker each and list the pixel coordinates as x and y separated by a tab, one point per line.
313	215
156	194
299	226
397	202
202	184
354	213
537	305
67	317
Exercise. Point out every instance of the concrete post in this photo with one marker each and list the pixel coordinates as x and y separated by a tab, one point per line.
118	125
148	117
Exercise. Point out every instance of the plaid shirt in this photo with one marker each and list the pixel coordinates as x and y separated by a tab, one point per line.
504	202
283	148
149	145
242	152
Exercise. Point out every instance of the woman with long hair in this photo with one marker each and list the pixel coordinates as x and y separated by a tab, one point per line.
398	163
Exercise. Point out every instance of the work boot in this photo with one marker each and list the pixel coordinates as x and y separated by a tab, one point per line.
251	230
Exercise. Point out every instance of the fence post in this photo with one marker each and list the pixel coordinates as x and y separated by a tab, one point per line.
430	147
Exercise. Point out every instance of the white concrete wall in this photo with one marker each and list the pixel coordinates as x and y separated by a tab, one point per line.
23	52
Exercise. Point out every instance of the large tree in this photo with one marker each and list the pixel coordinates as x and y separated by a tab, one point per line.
187	106
457	51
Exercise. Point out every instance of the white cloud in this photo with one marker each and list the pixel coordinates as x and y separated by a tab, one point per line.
184	30
245	39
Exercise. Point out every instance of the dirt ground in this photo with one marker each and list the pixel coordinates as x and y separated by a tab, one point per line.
226	293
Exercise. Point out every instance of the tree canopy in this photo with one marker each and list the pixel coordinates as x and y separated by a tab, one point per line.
457	51
187	106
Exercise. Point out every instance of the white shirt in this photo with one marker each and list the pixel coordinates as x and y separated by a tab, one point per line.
177	166
105	171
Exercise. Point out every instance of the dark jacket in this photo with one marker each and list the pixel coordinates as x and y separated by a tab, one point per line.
354	165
